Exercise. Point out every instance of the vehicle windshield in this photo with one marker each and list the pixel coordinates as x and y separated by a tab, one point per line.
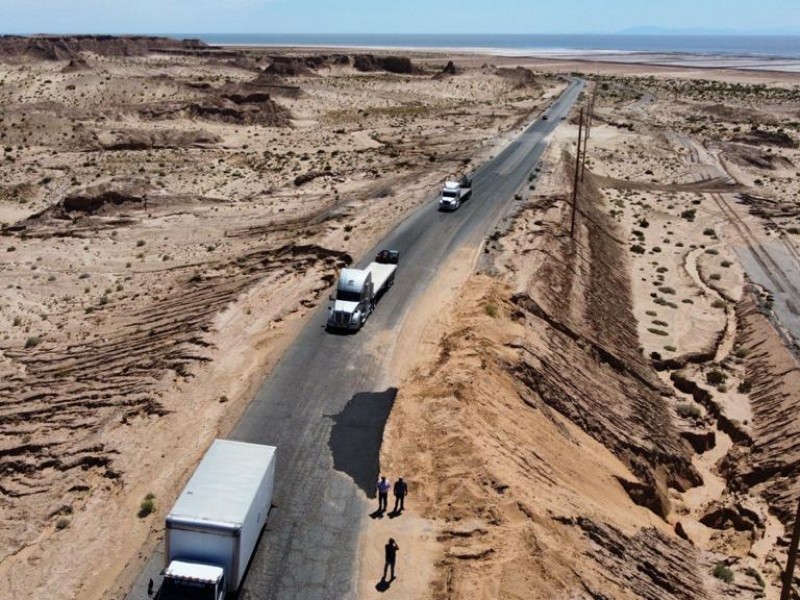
450	194
181	589
346	296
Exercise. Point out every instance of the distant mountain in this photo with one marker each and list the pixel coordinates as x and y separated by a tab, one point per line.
651	30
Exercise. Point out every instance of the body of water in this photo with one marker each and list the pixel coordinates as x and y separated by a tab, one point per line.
760	47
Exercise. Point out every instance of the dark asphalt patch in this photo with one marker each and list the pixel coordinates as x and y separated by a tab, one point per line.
356	437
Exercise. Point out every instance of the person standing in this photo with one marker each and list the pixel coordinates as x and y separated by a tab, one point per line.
391	557
400	491
383	493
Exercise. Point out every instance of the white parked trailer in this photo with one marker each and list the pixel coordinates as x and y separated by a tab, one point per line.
212	530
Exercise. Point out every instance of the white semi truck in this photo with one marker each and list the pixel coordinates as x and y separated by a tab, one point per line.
212	530
454	193
359	289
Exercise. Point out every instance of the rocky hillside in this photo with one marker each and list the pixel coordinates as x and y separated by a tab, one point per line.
69	47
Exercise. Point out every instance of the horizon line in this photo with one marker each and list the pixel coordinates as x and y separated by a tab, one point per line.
629	32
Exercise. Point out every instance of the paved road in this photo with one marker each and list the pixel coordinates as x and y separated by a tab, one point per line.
321	405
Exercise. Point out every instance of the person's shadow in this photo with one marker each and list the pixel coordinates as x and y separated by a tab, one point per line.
383	585
394	514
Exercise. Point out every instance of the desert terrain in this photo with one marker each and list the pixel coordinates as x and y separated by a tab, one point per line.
615	415
606	416
170	212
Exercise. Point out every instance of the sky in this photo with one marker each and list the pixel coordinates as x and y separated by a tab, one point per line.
393	16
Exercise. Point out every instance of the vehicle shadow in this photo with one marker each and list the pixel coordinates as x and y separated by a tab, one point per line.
340	332
356	436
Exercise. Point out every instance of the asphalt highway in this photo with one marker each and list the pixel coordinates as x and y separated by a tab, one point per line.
323	406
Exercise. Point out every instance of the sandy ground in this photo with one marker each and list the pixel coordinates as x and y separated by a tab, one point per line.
591	418
167	227
611	418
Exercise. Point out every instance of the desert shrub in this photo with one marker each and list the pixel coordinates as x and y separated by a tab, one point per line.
666	290
33	341
688	411
715	277
62	523
491	310
655	331
712	251
661	323
718	304
745	387
637	249
670	348
722	572
140	243
689	215
716	377
147	506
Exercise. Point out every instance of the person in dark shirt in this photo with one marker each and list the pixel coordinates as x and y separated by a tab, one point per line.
391	557
400	492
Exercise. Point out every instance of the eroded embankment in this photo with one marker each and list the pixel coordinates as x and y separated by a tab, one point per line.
540	439
771	465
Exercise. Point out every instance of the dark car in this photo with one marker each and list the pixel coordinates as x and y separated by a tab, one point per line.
388	257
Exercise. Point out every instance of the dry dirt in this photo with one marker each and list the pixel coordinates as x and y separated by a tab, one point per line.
169	216
611	416
603	417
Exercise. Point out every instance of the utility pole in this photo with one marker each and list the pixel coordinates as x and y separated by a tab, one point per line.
589	119
788	575
577	175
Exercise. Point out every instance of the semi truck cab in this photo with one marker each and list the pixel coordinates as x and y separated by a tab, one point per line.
451	196
454	193
354	299
192	581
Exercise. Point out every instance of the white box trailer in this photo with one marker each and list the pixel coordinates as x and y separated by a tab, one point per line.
212	530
